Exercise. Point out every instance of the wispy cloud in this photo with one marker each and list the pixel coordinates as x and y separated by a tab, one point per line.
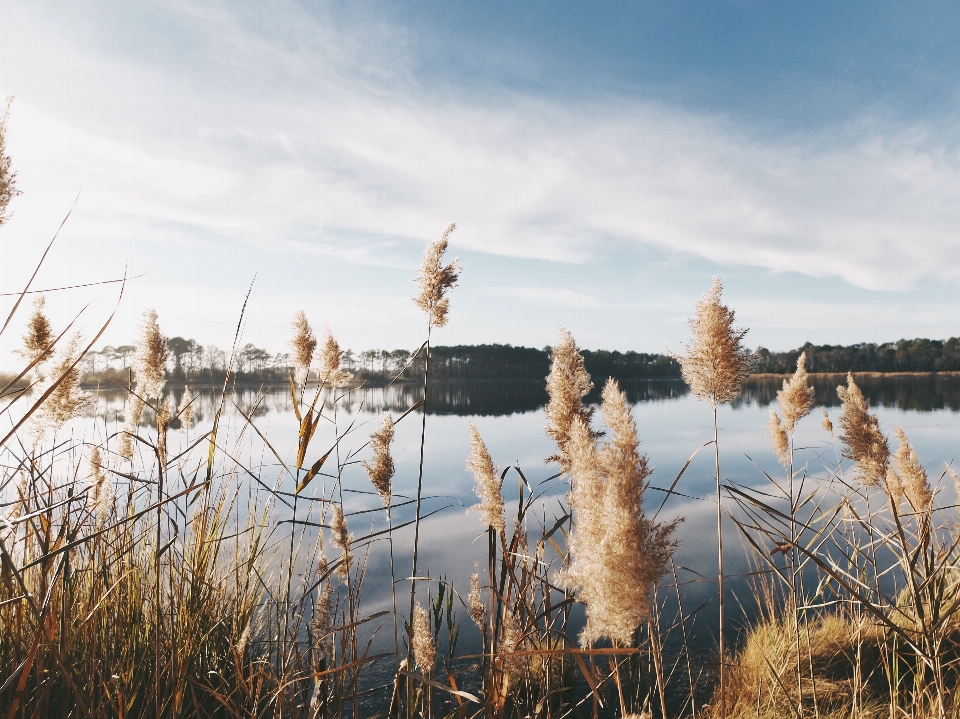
555	296
282	132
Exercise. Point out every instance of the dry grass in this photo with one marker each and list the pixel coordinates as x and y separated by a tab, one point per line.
146	577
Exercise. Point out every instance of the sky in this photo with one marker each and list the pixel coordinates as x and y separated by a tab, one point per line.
602	161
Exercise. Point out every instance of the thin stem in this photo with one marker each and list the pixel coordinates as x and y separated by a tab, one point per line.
416	524
716	454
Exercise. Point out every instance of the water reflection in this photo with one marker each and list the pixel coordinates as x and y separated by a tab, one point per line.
923	393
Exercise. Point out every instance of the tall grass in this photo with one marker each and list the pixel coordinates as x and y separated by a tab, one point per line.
159	569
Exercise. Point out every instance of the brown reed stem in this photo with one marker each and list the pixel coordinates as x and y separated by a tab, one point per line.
716	454
416	524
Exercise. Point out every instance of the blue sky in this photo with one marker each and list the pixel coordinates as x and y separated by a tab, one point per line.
602	161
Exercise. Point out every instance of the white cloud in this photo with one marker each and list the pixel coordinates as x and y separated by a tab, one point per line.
258	131
556	296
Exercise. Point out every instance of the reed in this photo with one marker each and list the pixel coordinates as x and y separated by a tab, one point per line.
151	573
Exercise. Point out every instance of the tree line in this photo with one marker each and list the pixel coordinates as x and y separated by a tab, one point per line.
189	361
917	355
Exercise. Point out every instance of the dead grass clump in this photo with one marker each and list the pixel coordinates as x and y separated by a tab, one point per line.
762	681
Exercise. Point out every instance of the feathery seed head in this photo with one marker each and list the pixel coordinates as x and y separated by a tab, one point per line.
893	485
476	607
435	280
487	483
102	491
131	425
323	607
826	424
341	539
567	384
510	642
381	469
163	425
913	477
303	345
39	335
8	178
955	478
865	444
424	648
617	552
330	356
185	410
67	400
778	438
717	363
150	357
796	397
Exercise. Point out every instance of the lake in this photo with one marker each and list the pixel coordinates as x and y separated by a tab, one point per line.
672	425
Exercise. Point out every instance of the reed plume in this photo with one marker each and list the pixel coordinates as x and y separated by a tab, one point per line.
341	539
778	438
102	495
475	606
567	384
163	425
150	357
487	483
8	178
185	410
436	279
715	368
381	469
303	345
39	335
132	413
67	400
424	647
510	642
330	357
913	477
796	397
864	443
323	606
618	554
717	363
826	424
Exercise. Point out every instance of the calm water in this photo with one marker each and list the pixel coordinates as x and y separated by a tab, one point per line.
672	425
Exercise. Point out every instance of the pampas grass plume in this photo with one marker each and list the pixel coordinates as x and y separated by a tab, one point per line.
131	425
487	483
67	399
330	357
185	410
475	605
381	469
436	279
341	539
717	363
826	424
865	444
778	438
150	357
796	397
618	554
102	494
303	344
913	477
39	335
567	384
424	648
